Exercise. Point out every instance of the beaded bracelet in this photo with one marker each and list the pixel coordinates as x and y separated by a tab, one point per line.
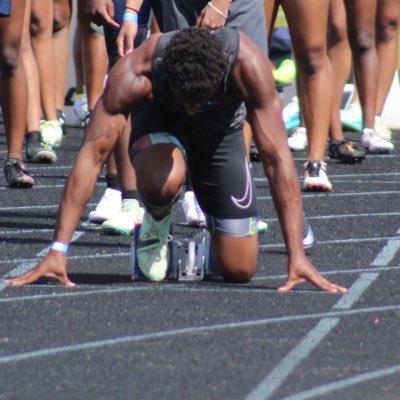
217	10
131	16
59	246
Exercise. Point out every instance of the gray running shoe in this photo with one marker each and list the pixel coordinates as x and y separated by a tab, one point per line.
37	152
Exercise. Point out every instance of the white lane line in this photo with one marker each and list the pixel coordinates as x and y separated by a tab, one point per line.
90	290
332	315
358	175
128	254
274	379
32	207
285	367
335	195
330	242
370	182
266	219
356	291
344	383
387	254
78	257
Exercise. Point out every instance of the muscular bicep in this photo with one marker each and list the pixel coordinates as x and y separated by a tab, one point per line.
253	74
128	82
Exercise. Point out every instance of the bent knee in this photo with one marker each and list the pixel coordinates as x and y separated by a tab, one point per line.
9	56
313	61
61	19
362	42
238	275
38	26
237	270
386	31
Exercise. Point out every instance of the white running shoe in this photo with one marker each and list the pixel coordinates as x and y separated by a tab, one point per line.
315	177
374	142
109	206
191	208
382	128
308	236
291	114
152	247
51	133
262	227
81	108
298	140
124	222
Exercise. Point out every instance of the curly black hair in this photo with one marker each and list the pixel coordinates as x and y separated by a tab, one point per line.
195	63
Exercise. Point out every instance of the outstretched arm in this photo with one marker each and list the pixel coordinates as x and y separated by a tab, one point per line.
253	77
101	135
106	124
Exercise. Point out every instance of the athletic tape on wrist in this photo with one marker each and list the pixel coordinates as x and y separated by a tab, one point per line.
59	246
131	16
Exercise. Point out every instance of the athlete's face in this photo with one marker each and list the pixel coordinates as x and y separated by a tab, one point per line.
190	105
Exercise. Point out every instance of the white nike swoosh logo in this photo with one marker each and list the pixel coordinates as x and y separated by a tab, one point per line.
247	198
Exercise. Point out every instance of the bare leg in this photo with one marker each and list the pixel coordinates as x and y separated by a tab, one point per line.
78	59
13	93
361	32
314	69
160	185
124	166
34	113
62	15
387	31
95	56
340	55
41	39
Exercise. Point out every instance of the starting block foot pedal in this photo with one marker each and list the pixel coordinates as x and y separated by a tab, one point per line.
190	257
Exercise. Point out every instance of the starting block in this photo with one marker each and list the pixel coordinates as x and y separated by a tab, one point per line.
190	256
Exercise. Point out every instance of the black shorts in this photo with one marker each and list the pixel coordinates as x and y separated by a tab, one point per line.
218	166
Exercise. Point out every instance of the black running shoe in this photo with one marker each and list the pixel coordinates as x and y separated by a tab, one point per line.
345	151
16	174
37	152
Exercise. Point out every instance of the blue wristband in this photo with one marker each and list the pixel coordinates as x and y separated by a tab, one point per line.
131	16
59	246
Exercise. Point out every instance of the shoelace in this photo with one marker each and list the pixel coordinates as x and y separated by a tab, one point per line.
148	228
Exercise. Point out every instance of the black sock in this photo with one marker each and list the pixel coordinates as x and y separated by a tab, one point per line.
33	136
130	194
112	182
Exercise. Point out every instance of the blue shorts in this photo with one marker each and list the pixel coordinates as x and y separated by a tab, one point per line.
5	8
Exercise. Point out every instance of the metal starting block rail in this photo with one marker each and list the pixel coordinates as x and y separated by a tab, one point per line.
190	256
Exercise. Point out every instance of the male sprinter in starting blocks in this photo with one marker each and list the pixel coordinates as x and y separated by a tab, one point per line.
186	91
